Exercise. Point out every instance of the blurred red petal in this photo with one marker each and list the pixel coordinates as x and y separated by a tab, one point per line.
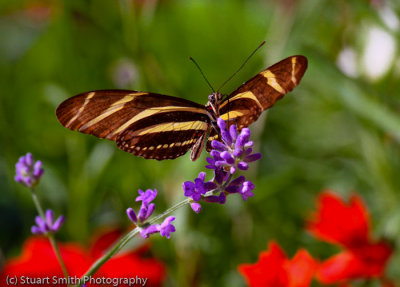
374	257
38	260
340	267
339	222
301	269
368	261
268	271
275	270
102	240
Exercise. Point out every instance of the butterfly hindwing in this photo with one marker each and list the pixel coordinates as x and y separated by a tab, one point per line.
145	124
244	105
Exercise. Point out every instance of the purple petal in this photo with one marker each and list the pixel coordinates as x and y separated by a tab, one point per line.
221	123
243	166
252	157
210	185
210	160
220	175
146	196
232	170
233	132
211	198
237	152
202	176
150	210
227	157
49	217
142	213
218	145
237	181
249	144
40	222
28	159
222	198
36	230
166	227
226	137
146	232
188	188
215	154
199	186
196	207
233	189
59	222
131	215
243	138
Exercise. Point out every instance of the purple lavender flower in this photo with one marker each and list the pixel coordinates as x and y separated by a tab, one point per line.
148	230
235	152
198	188
145	211
232	153
28	172
47	224
196	207
166	227
131	215
247	190
146	196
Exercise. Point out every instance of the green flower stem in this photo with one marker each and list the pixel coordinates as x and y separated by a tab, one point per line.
58	254
50	235
37	204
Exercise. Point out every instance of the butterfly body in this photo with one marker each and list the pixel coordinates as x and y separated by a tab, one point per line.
162	127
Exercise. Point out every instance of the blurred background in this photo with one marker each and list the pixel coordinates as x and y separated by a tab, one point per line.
339	129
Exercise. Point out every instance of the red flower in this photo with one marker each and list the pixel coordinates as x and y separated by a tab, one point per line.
39	261
274	269
348	226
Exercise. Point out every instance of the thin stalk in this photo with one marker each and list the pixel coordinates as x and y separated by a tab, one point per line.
50	235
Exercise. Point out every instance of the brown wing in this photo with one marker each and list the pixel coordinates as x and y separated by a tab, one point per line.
144	124
246	103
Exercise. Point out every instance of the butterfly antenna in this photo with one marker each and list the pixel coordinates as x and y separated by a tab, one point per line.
204	76
244	63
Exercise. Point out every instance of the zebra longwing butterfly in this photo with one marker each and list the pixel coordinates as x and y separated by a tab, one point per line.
162	127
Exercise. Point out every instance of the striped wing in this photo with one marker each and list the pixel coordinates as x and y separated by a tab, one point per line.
145	124
247	102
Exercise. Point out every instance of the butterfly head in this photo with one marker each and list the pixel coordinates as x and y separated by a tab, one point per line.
213	102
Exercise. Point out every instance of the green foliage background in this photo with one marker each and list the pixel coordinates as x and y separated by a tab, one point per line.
332	132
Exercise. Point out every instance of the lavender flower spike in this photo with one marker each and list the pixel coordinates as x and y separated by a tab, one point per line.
235	152
47	225
28	172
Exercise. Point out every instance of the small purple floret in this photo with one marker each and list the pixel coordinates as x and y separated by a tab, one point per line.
27	171
131	215
198	188
146	196
166	227
196	207
47	225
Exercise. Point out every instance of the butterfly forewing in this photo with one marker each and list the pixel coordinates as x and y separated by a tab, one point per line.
144	124
246	103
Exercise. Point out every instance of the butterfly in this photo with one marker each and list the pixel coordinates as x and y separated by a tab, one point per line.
160	127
